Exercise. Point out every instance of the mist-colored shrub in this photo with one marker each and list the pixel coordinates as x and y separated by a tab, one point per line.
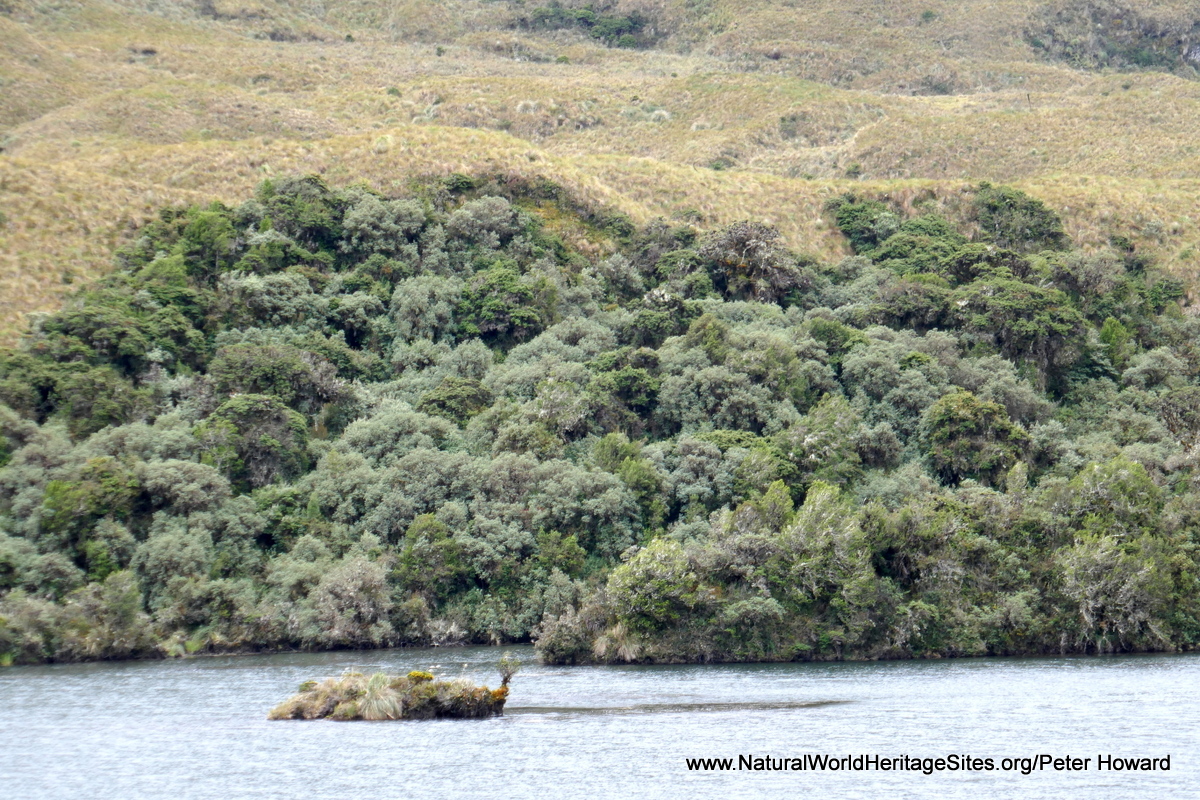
375	226
284	298
393	431
1180	412
718	397
172	551
748	260
182	486
822	446
1154	369
349	606
488	222
425	307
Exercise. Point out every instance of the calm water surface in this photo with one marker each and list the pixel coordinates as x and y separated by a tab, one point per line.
198	729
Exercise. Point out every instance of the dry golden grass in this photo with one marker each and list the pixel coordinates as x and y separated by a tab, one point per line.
108	110
33	78
61	226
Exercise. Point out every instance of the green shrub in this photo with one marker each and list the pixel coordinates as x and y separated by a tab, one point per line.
1014	220
866	223
614	30
969	438
456	398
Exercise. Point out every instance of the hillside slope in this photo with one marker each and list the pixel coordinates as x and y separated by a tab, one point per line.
712	111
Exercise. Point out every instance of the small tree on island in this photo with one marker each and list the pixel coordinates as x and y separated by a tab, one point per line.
509	665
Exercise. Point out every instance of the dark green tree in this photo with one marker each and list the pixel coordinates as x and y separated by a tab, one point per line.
1017	221
966	437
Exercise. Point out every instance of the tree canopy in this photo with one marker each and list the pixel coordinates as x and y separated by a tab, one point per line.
484	412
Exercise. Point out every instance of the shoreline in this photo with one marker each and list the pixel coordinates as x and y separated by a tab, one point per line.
674	663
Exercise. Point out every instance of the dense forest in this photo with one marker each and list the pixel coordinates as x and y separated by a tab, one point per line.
326	419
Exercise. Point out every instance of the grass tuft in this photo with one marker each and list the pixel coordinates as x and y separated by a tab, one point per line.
377	697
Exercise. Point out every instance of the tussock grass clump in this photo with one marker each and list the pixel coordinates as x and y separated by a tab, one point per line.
417	695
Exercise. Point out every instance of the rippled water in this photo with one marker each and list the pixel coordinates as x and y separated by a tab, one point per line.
198	729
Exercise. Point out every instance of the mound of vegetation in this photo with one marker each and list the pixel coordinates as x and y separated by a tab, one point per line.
417	695
602	23
330	419
1094	34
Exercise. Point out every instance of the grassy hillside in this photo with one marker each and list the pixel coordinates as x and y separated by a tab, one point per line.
716	111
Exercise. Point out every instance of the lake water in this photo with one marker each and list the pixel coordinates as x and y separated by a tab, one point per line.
197	729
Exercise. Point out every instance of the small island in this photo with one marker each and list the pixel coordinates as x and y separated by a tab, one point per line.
417	695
